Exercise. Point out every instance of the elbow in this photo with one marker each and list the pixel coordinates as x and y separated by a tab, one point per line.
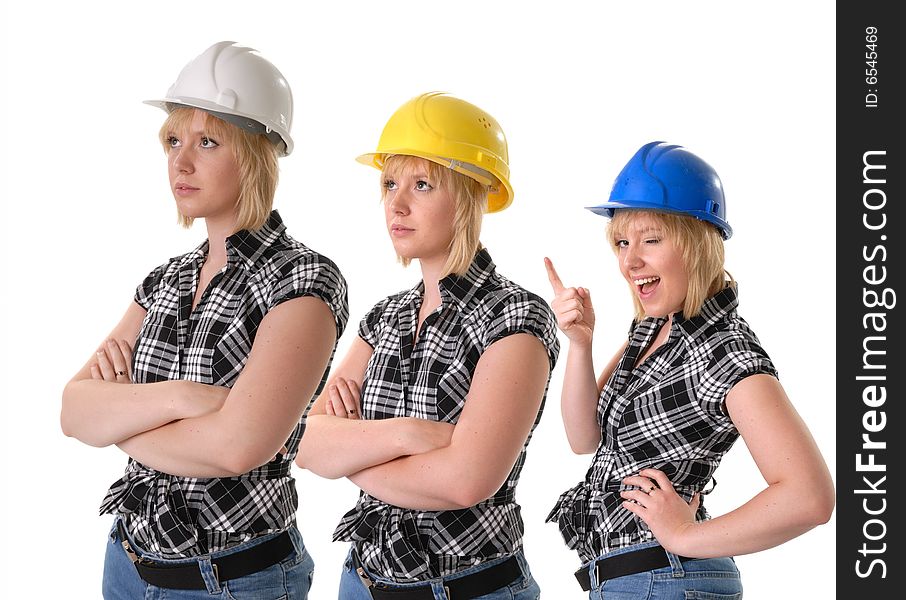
72	427
583	444
819	506
240	459
471	491
822	507
303	461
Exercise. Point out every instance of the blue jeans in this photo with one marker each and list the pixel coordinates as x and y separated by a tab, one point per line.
693	579
524	588
289	579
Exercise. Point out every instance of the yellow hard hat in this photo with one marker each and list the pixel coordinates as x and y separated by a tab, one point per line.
453	133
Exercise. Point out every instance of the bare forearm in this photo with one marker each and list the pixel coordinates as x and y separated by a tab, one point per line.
334	447
779	513
199	447
435	480
101	413
579	398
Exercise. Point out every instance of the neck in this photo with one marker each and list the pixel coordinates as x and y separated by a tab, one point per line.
431	270
218	231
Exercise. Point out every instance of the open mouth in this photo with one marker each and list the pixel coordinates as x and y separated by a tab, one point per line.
646	285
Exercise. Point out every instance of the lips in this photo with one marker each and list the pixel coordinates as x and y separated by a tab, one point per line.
646	285
400	230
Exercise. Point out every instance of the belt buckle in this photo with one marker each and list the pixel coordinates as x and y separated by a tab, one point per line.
216	571
135	558
360	571
448	592
599	578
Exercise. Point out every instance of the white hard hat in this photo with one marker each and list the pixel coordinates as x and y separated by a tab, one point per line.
238	85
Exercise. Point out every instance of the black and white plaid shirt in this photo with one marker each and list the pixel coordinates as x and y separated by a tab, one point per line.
667	413
430	380
187	516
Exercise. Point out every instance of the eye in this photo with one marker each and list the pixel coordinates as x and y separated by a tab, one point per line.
423	186
207	142
654	240
621	243
389	185
172	141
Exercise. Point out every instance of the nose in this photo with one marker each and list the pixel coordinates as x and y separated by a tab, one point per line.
398	202
631	257
183	159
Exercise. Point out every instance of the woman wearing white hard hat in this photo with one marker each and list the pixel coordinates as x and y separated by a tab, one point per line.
432	408
204	381
690	380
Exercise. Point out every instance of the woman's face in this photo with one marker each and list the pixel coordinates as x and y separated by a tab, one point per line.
204	176
419	212
652	264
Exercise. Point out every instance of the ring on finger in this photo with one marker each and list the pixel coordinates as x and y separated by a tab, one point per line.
121	373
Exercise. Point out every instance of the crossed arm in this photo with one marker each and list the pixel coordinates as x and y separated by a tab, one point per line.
173	426
477	454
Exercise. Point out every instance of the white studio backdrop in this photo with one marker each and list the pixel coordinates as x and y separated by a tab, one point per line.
577	87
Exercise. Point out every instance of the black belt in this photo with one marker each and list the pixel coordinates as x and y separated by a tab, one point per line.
628	563
462	588
187	576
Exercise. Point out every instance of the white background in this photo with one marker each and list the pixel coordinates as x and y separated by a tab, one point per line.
577	88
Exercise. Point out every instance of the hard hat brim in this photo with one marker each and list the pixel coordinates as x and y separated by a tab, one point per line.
168	104
497	200
607	209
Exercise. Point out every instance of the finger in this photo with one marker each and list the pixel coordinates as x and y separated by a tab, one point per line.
339	410
696	501
552	276
119	361
643	483
659	477
357	394
569	319
96	373
586	297
126	349
634	508
348	396
328	408
105	366
636	496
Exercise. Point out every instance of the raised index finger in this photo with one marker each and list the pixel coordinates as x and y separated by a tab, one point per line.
552	276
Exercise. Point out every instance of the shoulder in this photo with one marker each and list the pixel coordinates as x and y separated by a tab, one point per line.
504	308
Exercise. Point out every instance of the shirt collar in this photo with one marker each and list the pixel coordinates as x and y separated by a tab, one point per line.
248	246
460	290
713	310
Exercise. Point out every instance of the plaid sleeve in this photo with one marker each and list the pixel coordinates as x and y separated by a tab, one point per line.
313	275
524	312
732	360
371	324
147	289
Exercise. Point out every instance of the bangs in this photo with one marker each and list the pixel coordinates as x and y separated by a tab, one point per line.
179	120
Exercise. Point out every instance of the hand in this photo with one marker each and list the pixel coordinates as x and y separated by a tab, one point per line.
114	362
575	315
344	399
423	435
664	511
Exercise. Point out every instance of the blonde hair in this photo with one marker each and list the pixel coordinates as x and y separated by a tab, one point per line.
702	248
256	160
470	200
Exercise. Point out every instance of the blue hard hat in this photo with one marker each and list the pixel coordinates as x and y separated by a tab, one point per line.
667	177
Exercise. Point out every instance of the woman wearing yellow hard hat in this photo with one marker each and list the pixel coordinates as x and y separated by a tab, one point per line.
432	408
204	381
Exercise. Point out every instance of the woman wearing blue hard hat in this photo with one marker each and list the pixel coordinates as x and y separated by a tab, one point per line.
691	379
204	381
